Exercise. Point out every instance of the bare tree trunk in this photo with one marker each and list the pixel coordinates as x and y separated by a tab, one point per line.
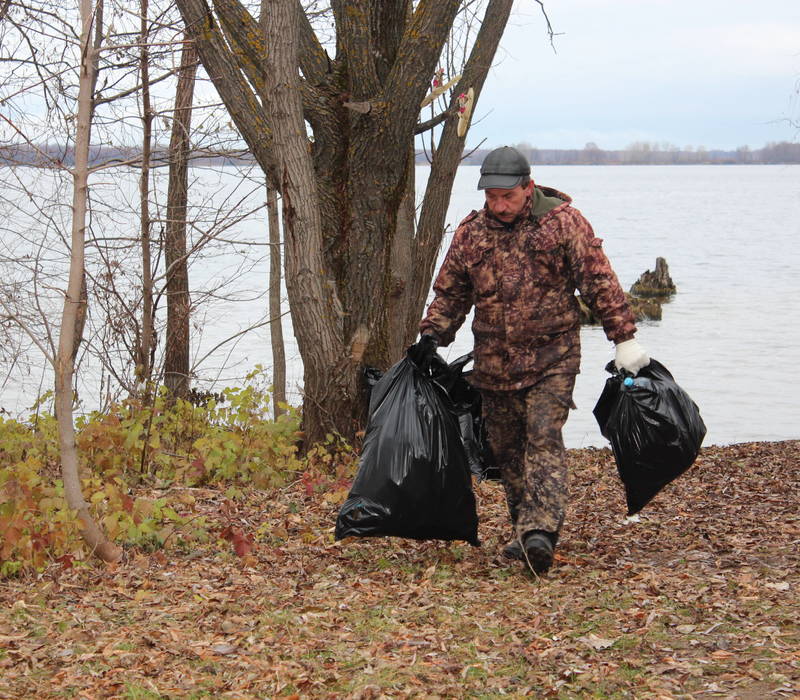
275	323
447	159
65	367
317	314
400	300
356	275
147	339
176	351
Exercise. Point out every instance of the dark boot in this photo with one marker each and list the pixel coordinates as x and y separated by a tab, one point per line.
513	550
538	550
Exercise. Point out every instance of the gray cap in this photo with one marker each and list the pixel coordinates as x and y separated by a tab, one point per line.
503	168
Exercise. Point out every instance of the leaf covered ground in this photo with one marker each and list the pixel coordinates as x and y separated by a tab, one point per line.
698	599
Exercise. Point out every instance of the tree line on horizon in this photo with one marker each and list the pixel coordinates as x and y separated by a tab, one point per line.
647	153
638	153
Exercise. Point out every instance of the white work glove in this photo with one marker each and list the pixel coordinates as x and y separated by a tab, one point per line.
631	356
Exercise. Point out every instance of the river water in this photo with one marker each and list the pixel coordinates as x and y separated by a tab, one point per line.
729	335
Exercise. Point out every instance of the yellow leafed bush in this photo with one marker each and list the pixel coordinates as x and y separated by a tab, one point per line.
132	447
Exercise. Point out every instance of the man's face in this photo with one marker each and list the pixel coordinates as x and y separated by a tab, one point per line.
507	204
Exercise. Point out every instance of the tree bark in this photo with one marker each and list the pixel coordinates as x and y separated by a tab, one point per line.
244	105
378	175
65	368
176	349
146	345
275	323
315	308
400	299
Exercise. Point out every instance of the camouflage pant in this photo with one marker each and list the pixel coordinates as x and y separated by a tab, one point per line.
524	430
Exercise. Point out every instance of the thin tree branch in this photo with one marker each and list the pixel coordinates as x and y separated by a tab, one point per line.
11	316
314	60
422	127
135	88
550	31
55	162
233	337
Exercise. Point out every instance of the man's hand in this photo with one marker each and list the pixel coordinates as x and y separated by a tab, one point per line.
631	356
422	353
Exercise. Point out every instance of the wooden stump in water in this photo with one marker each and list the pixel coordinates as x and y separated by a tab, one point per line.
656	284
643	310
645	298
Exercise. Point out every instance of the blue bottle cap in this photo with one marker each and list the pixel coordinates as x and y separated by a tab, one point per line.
628	381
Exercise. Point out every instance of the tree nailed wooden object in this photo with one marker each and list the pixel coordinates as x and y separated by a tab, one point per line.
465	101
439	87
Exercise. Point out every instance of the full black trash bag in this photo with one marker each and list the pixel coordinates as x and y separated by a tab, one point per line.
466	405
654	427
413	477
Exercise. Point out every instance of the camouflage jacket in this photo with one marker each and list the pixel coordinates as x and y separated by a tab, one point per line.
522	282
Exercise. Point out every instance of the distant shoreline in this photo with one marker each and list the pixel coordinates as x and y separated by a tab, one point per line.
783	153
643	153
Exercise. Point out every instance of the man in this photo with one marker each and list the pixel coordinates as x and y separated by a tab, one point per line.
519	261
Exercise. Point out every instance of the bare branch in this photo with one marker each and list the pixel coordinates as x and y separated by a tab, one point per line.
422	127
136	88
11	315
550	33
314	60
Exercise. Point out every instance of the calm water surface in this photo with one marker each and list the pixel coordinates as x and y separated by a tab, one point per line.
729	336
730	236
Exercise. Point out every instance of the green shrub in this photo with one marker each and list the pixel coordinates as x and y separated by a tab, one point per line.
134	445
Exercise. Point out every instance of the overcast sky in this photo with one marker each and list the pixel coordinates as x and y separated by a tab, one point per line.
713	73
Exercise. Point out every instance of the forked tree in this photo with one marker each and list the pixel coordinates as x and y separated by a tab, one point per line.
334	132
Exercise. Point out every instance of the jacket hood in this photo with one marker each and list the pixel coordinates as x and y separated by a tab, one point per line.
545	199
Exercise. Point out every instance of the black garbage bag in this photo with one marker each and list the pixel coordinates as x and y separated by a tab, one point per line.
655	430
467	405
413	478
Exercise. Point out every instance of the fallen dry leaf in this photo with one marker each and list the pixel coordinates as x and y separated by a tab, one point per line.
224	649
778	586
697	599
594	642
